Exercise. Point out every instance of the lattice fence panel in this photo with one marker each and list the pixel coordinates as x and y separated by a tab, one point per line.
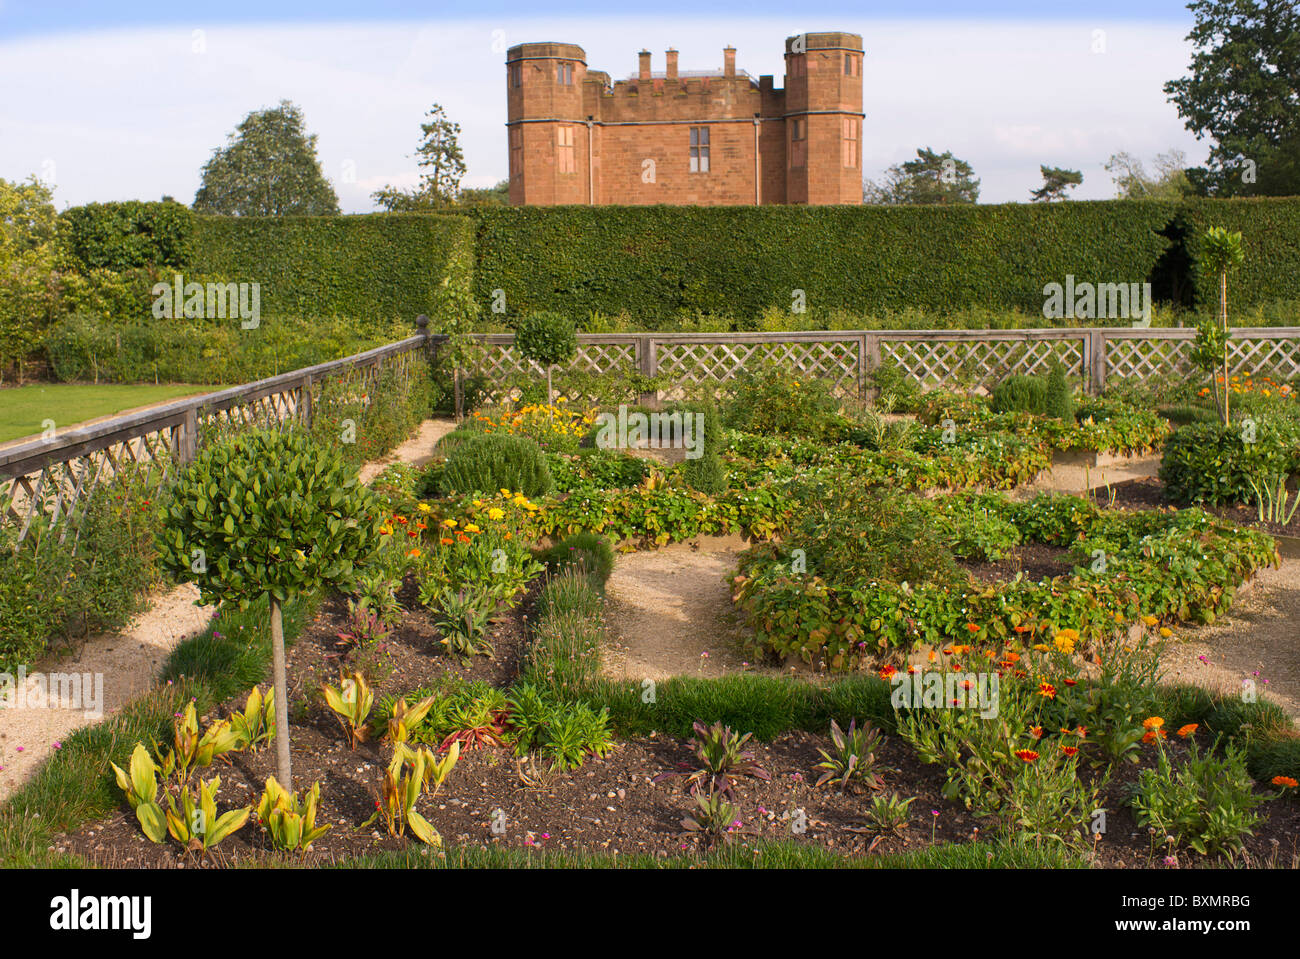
506	372
54	495
692	368
947	363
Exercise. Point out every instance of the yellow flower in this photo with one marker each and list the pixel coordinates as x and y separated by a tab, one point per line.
1166	632
505	492
449	523
478	502
472	528
495	513
423	507
1150	620
1064	644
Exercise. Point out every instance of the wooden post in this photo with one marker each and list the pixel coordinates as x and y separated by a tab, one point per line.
648	364
868	361
304	401
189	437
1095	352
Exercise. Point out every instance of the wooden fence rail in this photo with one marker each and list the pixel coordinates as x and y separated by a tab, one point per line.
47	478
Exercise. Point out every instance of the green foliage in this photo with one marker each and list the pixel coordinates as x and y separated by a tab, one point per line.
54	588
588	553
853	761
1207	804
564	650
1058	400
1020	394
462	618
775	401
931	178
267	168
127	235
368	267
1214	465
267	513
102	348
737	261
442	164
889	814
720	761
487	462
290	821
547	339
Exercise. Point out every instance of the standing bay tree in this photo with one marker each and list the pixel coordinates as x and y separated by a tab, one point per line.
268	515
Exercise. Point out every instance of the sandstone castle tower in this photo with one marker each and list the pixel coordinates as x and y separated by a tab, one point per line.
707	137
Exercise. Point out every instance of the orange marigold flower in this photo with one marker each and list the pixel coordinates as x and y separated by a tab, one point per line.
887	672
1285	781
1187	730
445	541
1152	722
972	628
1036	732
1047	690
1069	750
1151	735
1028	755
1013	657
1071	682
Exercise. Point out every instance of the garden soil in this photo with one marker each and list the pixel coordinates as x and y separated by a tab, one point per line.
129	660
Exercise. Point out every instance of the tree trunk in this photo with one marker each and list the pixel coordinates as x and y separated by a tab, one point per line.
283	772
456	394
1223	315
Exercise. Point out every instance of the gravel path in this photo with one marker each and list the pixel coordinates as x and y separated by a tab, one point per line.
127	662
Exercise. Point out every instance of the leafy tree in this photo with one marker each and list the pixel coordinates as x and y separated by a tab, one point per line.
28	285
442	163
498	195
1056	180
1132	182
456	311
930	178
269	167
1243	92
274	515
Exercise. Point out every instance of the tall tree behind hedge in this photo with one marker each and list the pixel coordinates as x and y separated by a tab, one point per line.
1243	92
1056	181
442	164
931	178
269	167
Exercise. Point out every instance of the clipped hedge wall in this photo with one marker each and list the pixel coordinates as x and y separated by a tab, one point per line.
658	261
1270	229
370	266
127	235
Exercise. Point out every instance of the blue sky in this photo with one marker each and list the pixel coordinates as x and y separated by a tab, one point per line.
129	101
25	17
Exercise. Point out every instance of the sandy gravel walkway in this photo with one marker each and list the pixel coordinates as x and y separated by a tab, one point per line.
125	663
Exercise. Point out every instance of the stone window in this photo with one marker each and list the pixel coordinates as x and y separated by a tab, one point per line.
564	73
851	152
565	143
699	149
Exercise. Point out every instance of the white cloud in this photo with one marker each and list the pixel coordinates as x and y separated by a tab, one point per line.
135	113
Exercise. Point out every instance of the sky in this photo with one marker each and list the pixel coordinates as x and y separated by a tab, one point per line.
114	101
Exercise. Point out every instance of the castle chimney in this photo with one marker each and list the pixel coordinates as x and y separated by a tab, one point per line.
671	54
644	56
728	61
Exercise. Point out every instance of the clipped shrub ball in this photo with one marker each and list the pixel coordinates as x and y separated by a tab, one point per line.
589	552
1020	394
488	462
1059	401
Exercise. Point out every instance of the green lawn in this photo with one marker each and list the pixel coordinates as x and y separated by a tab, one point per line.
24	409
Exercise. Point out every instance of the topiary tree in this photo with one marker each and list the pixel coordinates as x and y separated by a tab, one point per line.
1058	400
274	515
1221	251
547	339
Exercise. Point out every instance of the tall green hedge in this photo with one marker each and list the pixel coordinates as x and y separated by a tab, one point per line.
1270	228
372	266
127	235
658	261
